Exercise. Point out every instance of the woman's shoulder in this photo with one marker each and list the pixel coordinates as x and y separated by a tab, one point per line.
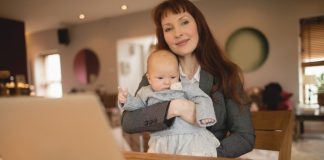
207	76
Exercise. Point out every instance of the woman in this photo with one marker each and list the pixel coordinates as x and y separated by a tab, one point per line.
182	29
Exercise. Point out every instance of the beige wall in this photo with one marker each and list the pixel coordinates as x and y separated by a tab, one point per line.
278	20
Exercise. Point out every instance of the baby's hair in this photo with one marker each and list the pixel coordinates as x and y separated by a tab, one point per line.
163	55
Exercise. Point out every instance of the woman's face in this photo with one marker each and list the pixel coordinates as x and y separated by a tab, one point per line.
180	33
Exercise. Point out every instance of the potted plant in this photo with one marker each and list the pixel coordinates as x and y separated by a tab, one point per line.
320	91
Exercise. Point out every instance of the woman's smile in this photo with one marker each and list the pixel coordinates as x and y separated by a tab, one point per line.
182	42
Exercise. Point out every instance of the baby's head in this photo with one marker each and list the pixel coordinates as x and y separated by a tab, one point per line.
162	70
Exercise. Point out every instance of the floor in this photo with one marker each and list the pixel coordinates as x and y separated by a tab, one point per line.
310	145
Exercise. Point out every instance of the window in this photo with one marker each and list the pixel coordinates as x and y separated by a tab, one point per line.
48	78
53	76
312	53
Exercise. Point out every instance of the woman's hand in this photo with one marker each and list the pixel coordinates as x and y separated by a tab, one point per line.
183	108
122	95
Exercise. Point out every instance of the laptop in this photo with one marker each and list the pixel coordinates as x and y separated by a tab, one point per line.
74	127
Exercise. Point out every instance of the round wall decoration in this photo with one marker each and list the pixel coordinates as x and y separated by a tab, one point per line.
248	48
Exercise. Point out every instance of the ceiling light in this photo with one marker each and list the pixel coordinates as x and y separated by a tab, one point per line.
123	7
81	16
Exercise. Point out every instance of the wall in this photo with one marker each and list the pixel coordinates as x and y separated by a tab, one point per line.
101	37
278	20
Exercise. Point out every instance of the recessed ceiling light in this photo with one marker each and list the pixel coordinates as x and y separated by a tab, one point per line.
123	7
81	16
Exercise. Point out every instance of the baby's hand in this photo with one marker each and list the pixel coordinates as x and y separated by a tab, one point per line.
176	86
207	121
122	95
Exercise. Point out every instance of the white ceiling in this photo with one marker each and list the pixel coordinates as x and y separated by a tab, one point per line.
40	15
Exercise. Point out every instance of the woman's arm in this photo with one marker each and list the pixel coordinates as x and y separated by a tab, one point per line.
241	133
148	119
158	116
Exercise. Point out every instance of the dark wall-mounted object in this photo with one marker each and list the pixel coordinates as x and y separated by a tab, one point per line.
13	47
63	36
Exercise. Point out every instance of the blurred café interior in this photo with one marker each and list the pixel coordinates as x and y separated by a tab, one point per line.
72	47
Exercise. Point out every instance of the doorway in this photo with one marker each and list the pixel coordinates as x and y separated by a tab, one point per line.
132	54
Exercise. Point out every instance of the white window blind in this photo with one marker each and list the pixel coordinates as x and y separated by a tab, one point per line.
312	39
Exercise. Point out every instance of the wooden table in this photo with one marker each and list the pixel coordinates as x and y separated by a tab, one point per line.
152	156
315	114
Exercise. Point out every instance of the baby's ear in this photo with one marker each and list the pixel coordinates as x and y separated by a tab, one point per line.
148	78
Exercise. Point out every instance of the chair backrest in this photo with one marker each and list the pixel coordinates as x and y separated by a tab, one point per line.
273	131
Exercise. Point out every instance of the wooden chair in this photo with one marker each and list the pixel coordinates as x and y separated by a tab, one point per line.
273	131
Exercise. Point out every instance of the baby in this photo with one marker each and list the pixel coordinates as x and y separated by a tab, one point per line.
182	137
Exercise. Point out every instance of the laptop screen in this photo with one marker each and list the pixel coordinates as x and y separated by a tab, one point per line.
74	127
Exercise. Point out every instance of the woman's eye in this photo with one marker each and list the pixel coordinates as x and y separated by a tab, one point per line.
184	22
167	29
159	78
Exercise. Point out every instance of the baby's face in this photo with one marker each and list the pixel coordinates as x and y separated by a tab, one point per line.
161	76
